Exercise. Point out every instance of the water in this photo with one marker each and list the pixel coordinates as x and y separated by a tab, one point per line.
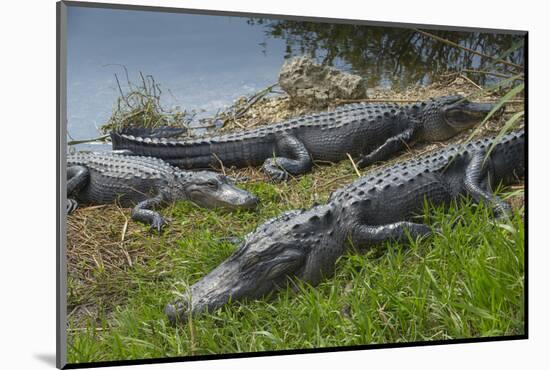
395	57
201	62
205	62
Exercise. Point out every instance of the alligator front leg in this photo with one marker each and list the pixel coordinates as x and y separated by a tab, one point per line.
293	159
143	213
77	179
370	235
393	145
477	173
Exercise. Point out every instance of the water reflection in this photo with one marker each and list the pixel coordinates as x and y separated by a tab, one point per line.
395	57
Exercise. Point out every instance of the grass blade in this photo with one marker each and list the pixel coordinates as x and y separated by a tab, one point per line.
508	126
495	86
509	95
518	45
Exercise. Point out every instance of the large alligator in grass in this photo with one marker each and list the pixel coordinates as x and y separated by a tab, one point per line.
368	132
146	183
377	207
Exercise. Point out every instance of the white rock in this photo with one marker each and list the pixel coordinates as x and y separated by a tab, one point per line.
316	85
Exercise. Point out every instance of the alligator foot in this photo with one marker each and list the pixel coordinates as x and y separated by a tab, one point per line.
158	224
274	171
503	209
292	158
142	213
477	174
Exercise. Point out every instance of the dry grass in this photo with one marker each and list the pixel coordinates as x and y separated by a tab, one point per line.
100	248
139	105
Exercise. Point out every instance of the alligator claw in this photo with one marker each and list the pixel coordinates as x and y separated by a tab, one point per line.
274	172
157	224
502	210
72	205
279	176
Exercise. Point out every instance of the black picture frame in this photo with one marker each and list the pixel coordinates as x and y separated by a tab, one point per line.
61	299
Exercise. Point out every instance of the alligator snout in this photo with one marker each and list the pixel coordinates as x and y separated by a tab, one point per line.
251	203
232	197
465	114
209	293
248	201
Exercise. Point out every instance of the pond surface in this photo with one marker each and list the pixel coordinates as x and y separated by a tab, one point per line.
205	62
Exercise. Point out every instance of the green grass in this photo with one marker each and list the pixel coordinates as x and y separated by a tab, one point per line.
464	282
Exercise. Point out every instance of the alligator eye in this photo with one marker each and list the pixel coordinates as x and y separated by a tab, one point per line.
212	184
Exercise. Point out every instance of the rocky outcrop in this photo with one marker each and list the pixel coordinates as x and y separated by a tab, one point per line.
316	85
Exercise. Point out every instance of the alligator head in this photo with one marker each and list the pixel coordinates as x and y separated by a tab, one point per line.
211	190
444	117
297	244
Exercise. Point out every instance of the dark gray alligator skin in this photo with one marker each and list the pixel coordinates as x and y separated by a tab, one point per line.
368	132
147	183
375	208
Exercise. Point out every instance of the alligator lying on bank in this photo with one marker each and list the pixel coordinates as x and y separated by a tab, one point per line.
147	183
373	209
370	132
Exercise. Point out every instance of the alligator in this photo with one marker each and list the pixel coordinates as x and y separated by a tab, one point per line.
159	131
146	183
380	206
367	131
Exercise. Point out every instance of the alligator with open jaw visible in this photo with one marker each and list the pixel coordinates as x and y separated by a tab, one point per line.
147	183
373	209
369	132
